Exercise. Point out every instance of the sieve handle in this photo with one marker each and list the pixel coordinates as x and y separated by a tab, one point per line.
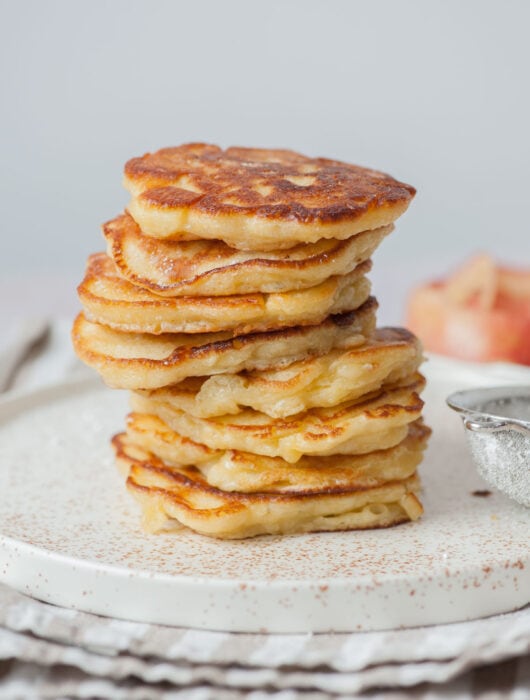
477	426
492	426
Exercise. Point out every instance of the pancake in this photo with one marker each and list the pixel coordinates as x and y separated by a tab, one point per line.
141	361
353	427
109	299
231	470
171	498
258	199
211	268
152	434
389	356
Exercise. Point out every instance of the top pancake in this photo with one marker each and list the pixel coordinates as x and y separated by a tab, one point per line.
258	199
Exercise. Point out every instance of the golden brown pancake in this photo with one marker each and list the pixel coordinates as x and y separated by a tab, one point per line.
171	498
211	268
353	427
388	356
152	434
142	361
258	199
113	301
231	470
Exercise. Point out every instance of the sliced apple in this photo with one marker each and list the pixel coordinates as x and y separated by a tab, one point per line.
480	313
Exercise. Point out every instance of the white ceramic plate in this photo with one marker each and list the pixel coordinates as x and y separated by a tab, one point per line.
70	534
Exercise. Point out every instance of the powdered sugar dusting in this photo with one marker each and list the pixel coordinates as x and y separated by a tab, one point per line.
503	459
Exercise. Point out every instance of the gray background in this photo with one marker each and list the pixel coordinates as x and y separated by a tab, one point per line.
434	92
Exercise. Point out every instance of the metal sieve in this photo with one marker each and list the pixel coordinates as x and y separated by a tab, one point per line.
497	422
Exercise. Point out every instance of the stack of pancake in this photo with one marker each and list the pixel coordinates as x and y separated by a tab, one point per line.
233	302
